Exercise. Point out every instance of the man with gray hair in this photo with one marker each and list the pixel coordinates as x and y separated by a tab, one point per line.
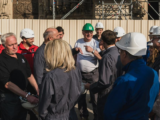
15	72
39	61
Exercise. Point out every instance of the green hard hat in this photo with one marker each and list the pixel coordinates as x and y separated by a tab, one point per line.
88	27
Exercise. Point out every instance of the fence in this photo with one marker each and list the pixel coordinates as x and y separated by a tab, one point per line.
72	28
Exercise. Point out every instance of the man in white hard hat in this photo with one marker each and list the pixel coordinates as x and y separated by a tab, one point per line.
156	44
119	33
151	31
135	92
99	30
28	49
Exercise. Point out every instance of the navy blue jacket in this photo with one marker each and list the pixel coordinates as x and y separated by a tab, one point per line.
133	94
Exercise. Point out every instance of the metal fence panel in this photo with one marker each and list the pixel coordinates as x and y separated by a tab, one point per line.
72	28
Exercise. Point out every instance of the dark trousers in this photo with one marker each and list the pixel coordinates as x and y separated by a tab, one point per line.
10	107
73	115
100	107
90	77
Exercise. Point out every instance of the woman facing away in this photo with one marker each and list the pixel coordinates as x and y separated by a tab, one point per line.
61	85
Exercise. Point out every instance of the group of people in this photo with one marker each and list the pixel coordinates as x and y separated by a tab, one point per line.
119	70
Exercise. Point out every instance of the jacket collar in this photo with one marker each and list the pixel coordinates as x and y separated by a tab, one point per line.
134	63
110	49
21	46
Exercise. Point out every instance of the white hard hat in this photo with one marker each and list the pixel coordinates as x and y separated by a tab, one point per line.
27	105
156	31
119	31
134	43
27	33
152	28
99	25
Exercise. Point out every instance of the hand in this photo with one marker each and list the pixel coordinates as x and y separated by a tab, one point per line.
79	50
32	99
37	90
88	49
87	86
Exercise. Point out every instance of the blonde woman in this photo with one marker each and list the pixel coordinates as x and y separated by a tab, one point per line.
61	85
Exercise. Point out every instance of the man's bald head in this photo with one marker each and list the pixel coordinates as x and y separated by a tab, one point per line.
50	34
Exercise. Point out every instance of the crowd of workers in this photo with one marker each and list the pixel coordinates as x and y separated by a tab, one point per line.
120	71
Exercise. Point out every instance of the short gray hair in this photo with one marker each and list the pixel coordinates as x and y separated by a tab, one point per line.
5	36
46	34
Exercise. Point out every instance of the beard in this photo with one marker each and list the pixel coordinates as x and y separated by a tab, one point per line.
29	44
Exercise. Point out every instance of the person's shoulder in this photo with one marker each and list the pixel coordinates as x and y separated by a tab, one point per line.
35	46
150	70
40	49
126	78
80	40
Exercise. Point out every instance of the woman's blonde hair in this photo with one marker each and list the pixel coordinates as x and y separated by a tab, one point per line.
152	57
58	55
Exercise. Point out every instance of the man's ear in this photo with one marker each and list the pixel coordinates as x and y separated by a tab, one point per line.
24	39
124	53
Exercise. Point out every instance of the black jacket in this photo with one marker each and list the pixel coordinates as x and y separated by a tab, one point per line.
58	93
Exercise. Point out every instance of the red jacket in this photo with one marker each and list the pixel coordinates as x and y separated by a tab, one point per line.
1	48
28	54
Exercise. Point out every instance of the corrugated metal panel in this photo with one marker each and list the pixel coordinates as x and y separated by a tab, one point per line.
5	25
130	26
109	25
66	30
138	26
116	23
42	28
80	24
36	29
73	32
13	26
28	24
50	23
144	28
72	28
20	26
124	25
